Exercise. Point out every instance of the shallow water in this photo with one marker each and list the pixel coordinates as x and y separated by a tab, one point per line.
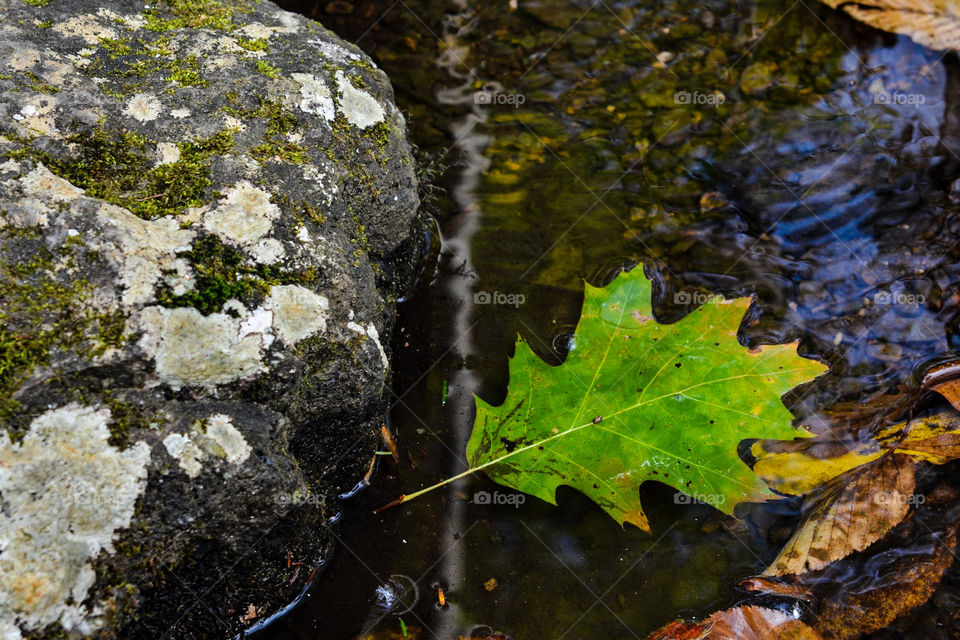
738	149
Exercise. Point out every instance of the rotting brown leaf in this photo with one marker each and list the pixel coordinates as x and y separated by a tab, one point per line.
931	23
848	514
740	623
867	591
945	380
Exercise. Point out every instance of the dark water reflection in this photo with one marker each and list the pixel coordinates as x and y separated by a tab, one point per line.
823	184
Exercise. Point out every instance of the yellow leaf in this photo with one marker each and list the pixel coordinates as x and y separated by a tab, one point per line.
797	467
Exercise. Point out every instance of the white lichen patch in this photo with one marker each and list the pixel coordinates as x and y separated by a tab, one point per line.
370	331
36	116
23	58
334	52
182	449
143	107
193	350
143	250
216	436
234	124
358	107
225	441
86	27
168	152
315	96
180	114
258	323
133	21
244	217
261	31
65	492
298	313
41	182
9	631
268	251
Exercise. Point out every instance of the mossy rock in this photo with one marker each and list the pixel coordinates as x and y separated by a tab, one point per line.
207	212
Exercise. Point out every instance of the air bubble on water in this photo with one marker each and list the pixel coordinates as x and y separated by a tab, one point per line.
398	595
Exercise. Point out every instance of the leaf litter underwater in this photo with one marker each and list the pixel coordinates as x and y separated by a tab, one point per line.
785	154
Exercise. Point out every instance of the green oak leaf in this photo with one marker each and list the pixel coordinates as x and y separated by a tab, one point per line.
637	400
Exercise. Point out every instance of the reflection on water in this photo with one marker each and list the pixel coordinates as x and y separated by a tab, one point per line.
736	149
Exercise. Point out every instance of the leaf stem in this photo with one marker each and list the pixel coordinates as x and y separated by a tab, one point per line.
464	474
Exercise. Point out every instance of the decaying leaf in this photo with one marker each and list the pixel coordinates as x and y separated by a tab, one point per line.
740	623
637	400
798	467
945	380
931	23
681	630
867	591
848	514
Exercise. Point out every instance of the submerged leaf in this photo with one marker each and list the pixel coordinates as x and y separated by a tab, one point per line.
758	623
849	514
945	380
740	623
797	467
637	400
931	23
867	591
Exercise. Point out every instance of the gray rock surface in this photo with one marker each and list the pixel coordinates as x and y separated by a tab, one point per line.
207	211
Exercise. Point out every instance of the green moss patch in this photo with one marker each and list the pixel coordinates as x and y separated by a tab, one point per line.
224	273
267	69
280	123
167	15
40	314
116	167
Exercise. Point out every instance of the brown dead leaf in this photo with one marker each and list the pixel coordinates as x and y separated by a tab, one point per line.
848	514
758	623
390	442
252	614
739	623
867	591
931	23
945	380
680	630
